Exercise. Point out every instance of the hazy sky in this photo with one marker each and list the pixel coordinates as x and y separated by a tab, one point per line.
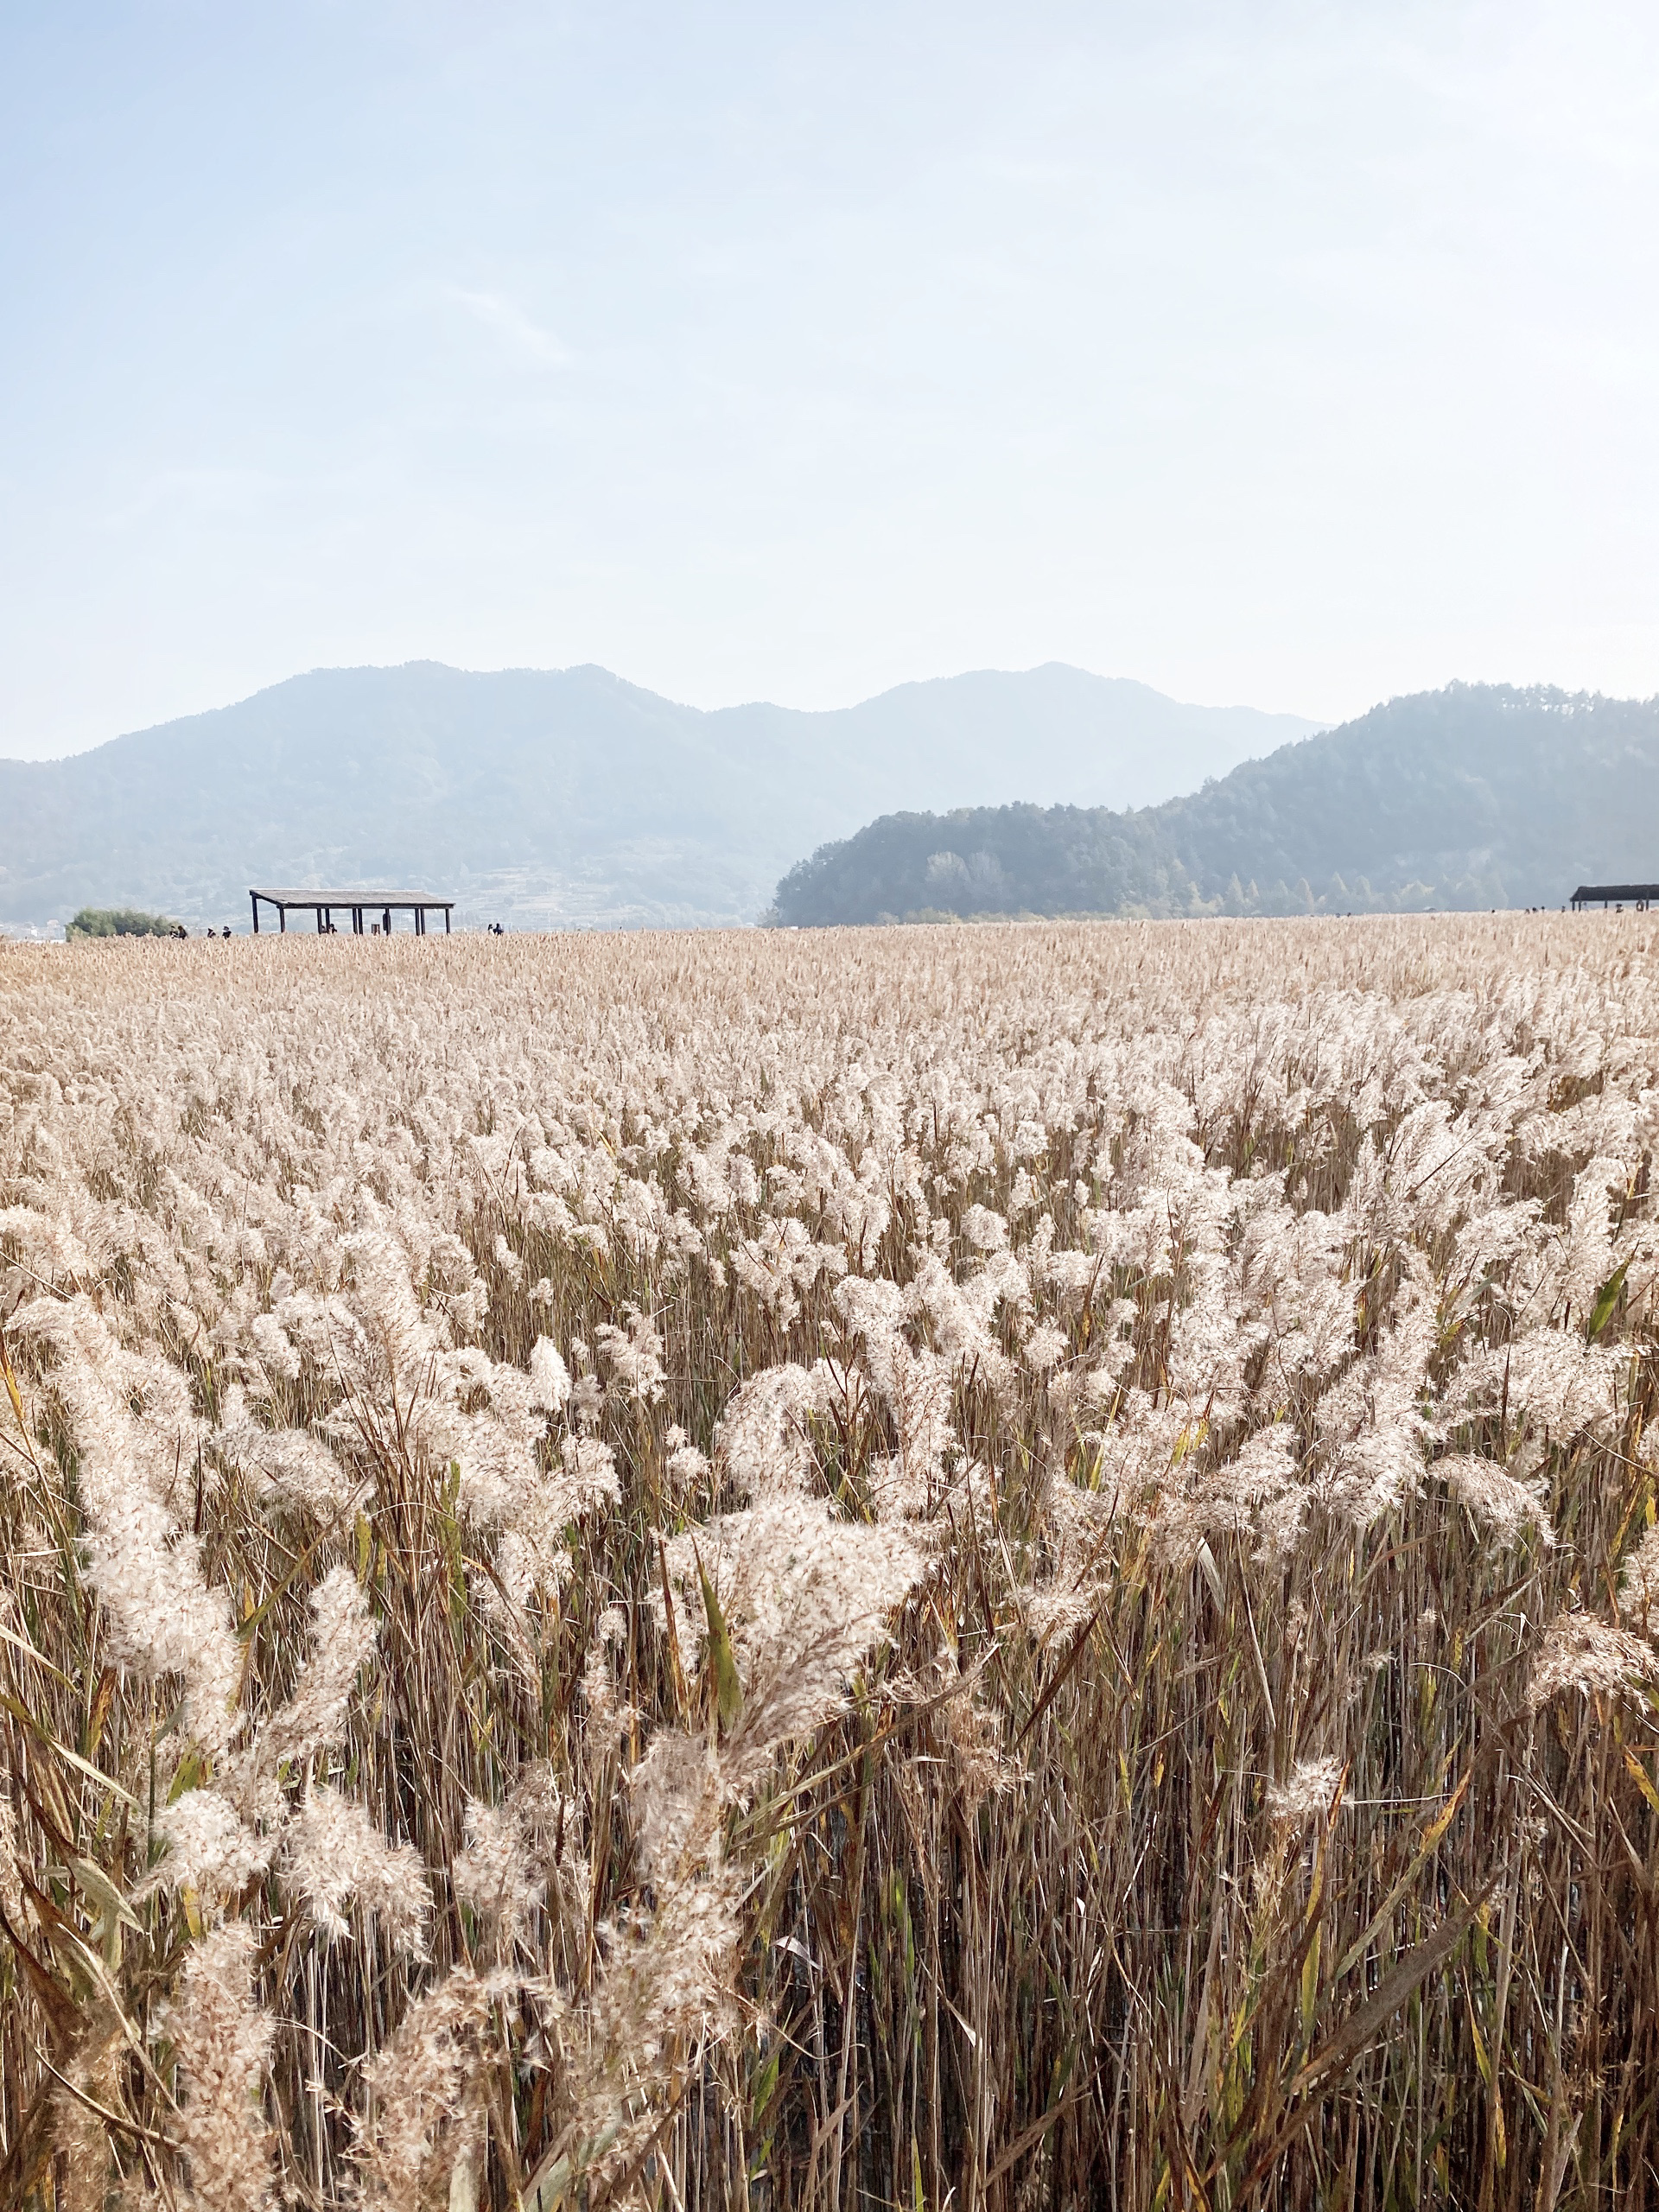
1287	354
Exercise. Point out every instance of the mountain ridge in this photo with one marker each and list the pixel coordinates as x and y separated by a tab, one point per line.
562	797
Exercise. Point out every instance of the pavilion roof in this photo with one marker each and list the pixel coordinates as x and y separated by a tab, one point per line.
361	897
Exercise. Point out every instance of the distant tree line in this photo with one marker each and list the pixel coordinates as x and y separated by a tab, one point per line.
1030	860
120	921
1474	797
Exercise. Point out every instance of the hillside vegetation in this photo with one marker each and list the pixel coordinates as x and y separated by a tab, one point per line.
548	797
996	1568
1474	797
119	921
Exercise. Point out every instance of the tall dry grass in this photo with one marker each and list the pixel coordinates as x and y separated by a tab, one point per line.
1001	1567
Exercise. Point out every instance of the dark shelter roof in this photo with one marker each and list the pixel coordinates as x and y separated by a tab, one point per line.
352	898
1616	891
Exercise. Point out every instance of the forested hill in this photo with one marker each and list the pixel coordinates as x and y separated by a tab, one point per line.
1477	795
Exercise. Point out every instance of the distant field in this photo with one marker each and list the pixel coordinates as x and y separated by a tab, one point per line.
1006	1566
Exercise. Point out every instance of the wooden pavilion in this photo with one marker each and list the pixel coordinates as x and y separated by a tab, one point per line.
1639	895
325	904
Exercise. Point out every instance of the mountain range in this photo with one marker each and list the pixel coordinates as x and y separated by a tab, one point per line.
1476	796
566	798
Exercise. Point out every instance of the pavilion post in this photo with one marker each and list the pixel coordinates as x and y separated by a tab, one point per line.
254	895
282	918
445	921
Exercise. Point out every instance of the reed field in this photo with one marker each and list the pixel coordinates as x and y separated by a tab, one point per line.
1009	1566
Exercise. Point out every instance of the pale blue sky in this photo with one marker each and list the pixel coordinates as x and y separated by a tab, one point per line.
1271	352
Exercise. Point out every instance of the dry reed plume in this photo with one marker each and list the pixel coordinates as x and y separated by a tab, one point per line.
1002	1568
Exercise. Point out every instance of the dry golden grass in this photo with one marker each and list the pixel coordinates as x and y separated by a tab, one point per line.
1004	1567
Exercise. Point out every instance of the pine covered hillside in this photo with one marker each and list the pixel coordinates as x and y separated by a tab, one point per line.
1478	796
547	797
